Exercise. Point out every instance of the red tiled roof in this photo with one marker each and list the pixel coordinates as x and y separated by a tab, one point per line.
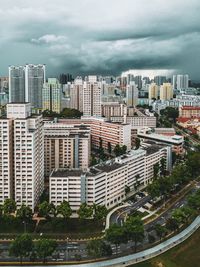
190	108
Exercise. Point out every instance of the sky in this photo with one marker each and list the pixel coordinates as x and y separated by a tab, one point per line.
105	37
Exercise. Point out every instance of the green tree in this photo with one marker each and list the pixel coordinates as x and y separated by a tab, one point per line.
21	247
127	189
70	113
161	231
53	210
44	209
156	169
123	150
137	143
64	209
109	148
25	213
9	206
117	150
98	248
135	230
93	160
153	189
162	166
85	211
100	212
172	225
45	248
116	235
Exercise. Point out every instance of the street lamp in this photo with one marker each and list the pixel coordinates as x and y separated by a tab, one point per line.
67	254
24	223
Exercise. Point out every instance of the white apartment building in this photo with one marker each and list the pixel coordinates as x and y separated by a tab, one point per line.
27	153
105	184
65	146
91	98
6	160
76	94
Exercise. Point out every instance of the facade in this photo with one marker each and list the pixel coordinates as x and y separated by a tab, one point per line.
181	82
131	94
189	112
6	160
26	83
16	84
159	80
51	95
91	97
27	154
166	92
105	184
65	146
153	91
76	94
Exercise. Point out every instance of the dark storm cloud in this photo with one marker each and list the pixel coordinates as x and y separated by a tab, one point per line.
107	36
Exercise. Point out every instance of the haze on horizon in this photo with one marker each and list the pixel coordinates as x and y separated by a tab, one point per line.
104	37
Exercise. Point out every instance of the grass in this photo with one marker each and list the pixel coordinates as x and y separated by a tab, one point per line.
72	227
185	255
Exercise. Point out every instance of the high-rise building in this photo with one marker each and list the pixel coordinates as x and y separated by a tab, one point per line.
91	97
182	82
159	80
131	94
34	80
26	83
66	146
153	91
138	81
17	84
27	154
76	94
65	78
4	84
166	91
6	160
51	95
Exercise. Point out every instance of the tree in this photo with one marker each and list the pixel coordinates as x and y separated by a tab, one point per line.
98	248
25	213
134	229
64	209
123	150
109	148
21	247
93	160
44	209
1	210
161	231
53	210
137	143
9	206
137	183
153	189
156	169
162	166
85	211
100	212
70	113
172	225
151	238
117	150
45	248
116	235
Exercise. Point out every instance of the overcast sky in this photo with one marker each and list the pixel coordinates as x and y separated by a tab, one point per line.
101	36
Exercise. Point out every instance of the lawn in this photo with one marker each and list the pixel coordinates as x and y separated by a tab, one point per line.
70	227
185	255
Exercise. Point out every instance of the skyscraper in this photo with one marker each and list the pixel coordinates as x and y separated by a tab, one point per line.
76	94
166	91
159	80
26	154
34	80
26	83
181	82
16	84
153	91
91	97
131	94
51	95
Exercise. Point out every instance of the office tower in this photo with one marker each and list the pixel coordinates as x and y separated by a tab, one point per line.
130	78
51	95
6	160
153	91
166	91
66	146
17	84
159	80
26	83
76	94
34	80
27	154
91	97
131	94
65	78
182	82
138	81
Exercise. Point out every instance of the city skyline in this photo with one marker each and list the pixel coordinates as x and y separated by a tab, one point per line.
105	37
